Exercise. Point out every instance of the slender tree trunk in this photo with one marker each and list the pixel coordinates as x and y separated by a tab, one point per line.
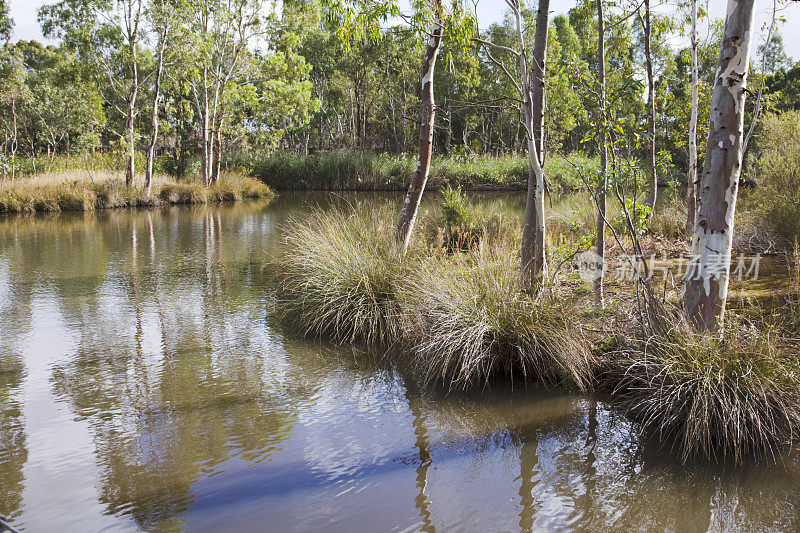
217	143
130	172
601	184
538	72
757	108
533	87
651	110
151	147
691	180
130	167
13	138
408	214
206	149
707	279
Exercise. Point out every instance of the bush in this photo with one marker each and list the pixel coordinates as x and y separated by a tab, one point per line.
469	322
339	276
776	201
722	397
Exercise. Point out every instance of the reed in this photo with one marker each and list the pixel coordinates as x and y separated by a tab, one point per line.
371	171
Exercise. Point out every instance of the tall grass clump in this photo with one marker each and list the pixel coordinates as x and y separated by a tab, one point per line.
77	191
722	397
469	322
339	275
776	200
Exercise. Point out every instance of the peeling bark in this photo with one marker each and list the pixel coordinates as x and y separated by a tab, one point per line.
408	213
707	279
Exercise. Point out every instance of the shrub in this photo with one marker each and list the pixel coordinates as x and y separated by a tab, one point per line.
722	397
776	201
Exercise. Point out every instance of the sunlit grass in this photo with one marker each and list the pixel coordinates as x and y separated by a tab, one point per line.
83	191
469	321
461	314
726	396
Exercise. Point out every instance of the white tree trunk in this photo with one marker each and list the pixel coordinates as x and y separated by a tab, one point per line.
707	279
691	180
408	213
533	265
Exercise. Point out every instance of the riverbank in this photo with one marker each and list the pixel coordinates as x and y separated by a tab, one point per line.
454	307
382	172
78	191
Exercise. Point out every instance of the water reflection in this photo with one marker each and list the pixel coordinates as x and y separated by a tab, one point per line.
143	386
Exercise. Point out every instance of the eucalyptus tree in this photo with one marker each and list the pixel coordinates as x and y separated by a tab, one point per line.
691	179
529	83
222	33
408	213
108	34
6	22
164	17
651	108
706	288
14	94
600	238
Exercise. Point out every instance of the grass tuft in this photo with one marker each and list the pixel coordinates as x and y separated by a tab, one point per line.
339	276
723	397
469	323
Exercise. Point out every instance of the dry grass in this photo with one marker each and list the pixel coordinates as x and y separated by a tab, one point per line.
724	397
81	191
339	276
469	322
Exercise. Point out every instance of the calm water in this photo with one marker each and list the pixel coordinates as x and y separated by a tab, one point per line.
143	387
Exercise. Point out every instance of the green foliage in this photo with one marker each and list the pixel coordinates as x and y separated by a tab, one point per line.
455	209
639	215
776	200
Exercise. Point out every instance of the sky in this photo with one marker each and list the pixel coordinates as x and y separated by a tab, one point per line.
489	11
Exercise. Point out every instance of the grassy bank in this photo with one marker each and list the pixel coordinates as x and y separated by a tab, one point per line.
727	397
370	171
458	314
73	191
460	317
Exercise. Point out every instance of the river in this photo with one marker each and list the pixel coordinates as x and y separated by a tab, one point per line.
144	386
